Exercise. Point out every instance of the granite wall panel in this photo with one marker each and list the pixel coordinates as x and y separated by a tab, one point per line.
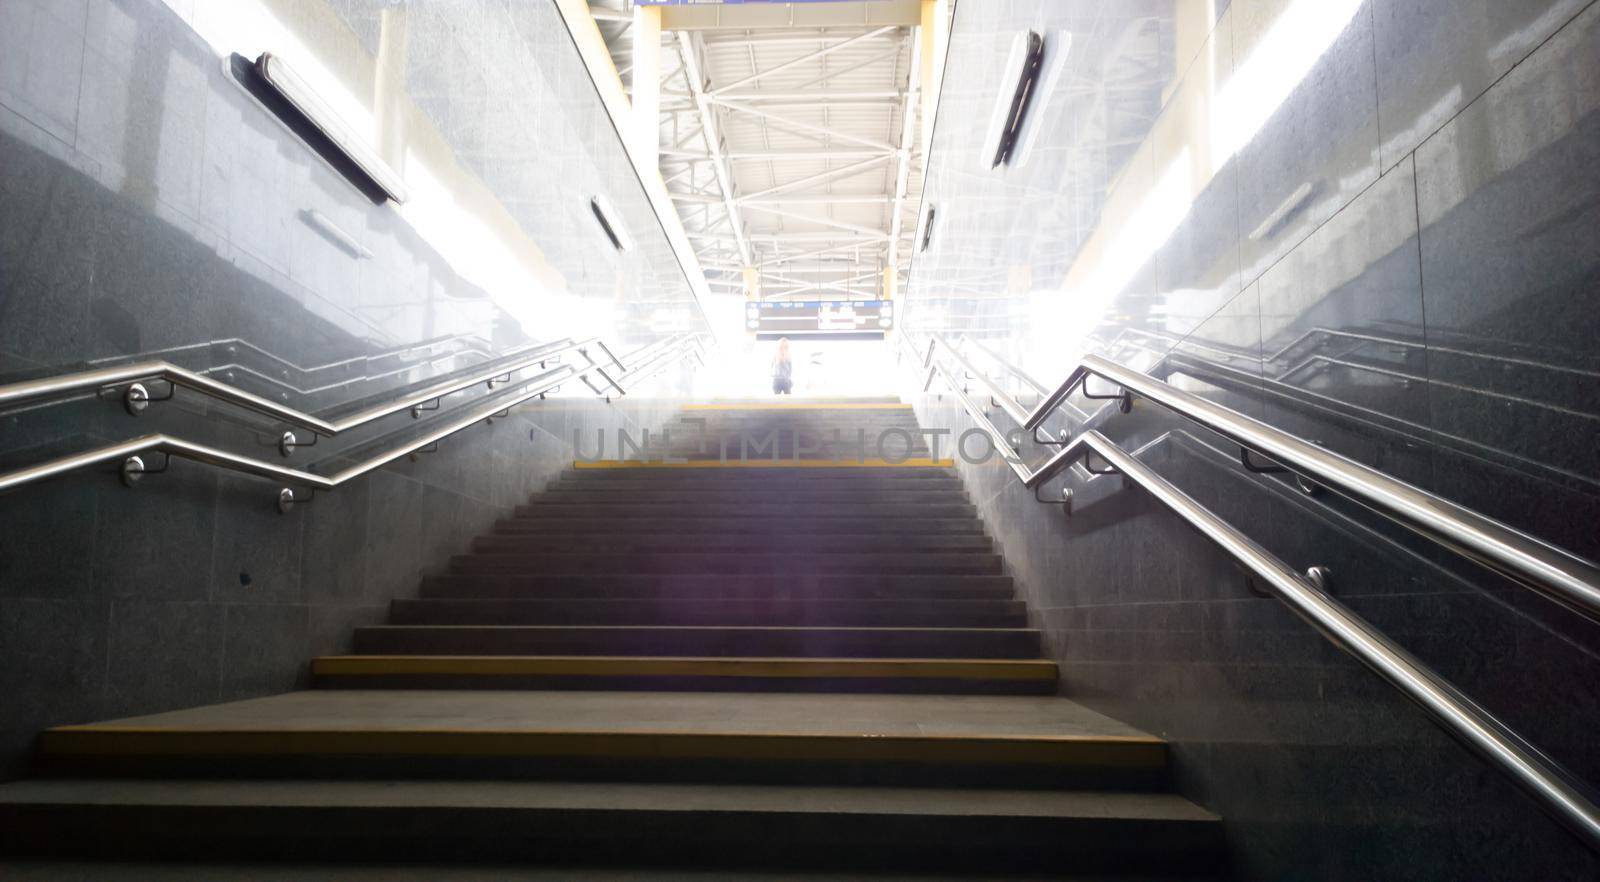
1372	224
151	207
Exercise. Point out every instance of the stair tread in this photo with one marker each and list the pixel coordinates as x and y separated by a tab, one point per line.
778	628
580	610
1029	718
609	796
684	666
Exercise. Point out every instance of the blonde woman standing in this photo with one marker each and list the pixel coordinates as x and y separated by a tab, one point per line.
782	369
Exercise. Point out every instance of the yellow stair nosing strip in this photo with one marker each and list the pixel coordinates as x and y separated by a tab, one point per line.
564	627
918	462
685	666
121	741
797	405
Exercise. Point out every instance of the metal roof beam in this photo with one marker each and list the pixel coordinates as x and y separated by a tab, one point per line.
708	131
784	39
822	221
823	199
778	154
802	125
855	238
806	58
819	96
805	255
891	55
845	171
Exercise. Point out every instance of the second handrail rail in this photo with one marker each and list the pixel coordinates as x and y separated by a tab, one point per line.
1554	572
165	371
1557	791
128	453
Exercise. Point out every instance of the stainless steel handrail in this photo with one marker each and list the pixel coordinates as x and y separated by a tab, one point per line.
1548	569
171	446
71	384
128	452
1557	791
1558	574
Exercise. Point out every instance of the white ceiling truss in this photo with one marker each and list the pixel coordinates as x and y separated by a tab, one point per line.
790	149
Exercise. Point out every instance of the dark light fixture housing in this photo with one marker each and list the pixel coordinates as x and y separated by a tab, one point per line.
1027	59
603	213
326	132
927	229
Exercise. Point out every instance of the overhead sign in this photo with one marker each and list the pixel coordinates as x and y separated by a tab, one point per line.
811	317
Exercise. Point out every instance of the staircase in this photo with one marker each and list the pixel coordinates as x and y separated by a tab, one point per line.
744	664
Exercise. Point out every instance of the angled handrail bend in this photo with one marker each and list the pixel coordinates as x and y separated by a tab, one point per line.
1567	799
126	452
1554	572
84	381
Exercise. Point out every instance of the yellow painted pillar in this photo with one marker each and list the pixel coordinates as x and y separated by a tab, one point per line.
935	35
752	283
646	113
389	88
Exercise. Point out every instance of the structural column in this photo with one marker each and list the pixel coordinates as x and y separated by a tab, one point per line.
645	121
935	40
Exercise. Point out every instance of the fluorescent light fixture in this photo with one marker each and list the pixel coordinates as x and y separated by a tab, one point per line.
1053	64
297	92
927	229
1011	104
606	215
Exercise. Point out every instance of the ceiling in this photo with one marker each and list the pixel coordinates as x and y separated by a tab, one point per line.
788	139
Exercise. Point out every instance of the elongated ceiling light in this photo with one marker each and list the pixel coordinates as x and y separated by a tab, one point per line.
606	215
299	93
1011	108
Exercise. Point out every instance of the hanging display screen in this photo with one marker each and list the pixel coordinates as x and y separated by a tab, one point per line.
853	318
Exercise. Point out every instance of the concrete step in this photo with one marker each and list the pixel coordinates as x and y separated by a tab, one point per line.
729	524
824	485
722	737
180	870
700	641
744	495
610	823
711	476
752	563
736	542
689	507
791	401
755	450
729	586
608	470
655	673
636	611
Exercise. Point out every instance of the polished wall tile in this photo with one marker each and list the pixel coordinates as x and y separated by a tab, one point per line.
1270	216
151	207
55	650
1342	319
1510	210
1302	70
162	655
264	647
1197	267
1436	56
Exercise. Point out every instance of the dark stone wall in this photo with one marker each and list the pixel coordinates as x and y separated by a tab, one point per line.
150	207
1400	262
